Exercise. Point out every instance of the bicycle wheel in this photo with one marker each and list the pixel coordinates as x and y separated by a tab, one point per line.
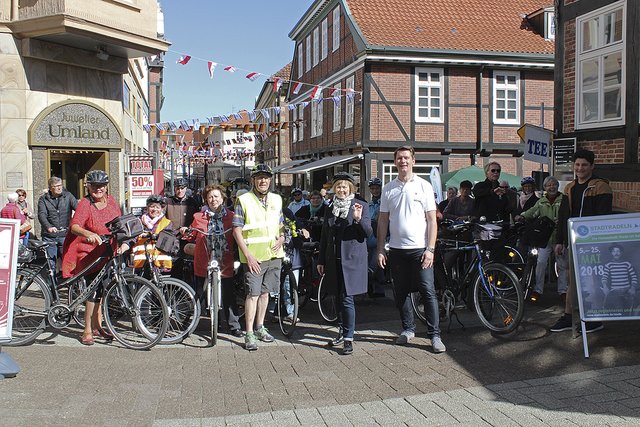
327	302
135	312
75	288
512	258
418	306
32	303
213	300
184	309
288	291
498	299
528	281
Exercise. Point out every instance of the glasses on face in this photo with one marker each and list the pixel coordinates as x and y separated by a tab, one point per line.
504	186
495	170
98	187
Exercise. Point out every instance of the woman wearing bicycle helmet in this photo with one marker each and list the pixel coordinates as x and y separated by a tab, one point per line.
154	221
82	245
216	218
527	197
343	254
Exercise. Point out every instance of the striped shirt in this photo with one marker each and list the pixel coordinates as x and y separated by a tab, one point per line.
619	275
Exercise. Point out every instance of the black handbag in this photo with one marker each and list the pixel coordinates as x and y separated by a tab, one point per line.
125	227
538	232
168	242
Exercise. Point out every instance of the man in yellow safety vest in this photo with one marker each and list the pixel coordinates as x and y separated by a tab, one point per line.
258	228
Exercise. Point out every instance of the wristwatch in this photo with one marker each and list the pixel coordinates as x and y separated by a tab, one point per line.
430	249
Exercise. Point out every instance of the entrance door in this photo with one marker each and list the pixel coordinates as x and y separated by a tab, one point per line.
73	165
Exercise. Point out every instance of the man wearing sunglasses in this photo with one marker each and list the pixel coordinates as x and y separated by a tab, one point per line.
490	198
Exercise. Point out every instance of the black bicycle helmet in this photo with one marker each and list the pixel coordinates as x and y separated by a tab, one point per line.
375	181
296	190
97	177
261	168
155	198
344	176
180	182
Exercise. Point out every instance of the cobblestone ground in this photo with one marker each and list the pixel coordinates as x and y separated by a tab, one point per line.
528	378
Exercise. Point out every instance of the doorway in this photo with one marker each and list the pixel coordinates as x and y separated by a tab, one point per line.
72	166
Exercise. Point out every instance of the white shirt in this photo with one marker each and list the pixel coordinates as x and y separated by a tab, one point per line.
407	205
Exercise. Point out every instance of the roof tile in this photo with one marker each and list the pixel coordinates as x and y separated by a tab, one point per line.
467	25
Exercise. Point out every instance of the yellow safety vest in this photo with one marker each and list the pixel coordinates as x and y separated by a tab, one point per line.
161	260
261	226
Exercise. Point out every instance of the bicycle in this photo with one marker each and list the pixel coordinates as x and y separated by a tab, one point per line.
287	296
327	301
213	281
134	309
184	307
497	296
309	280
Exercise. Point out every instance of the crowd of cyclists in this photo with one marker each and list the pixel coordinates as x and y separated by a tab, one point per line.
257	227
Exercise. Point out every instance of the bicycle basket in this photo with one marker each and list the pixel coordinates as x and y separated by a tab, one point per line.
487	232
167	242
125	227
25	255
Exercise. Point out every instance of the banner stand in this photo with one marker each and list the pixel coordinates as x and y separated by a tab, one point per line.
605	263
8	367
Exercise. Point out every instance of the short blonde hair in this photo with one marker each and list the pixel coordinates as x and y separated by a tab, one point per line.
352	188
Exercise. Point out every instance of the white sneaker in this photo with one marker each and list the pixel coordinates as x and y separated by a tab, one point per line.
438	345
405	337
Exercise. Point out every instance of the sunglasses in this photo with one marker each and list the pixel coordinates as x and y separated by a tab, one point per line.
495	170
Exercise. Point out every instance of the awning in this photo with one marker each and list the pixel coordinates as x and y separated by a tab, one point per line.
288	165
323	163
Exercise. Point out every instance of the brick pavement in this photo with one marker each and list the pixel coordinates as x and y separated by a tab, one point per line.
528	378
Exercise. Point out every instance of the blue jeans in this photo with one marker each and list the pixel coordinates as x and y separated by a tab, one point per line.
287	290
408	275
54	250
346	314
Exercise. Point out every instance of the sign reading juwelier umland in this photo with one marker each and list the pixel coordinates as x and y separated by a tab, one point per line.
607	264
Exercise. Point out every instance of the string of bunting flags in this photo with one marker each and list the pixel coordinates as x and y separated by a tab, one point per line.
316	95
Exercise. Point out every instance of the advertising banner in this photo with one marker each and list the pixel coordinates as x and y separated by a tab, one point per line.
9	234
607	263
140	165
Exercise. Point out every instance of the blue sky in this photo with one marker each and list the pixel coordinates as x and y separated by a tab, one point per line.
250	35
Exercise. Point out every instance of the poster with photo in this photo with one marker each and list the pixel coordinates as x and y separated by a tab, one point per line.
9	234
606	256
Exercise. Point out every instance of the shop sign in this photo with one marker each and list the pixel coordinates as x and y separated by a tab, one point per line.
75	124
537	143
9	234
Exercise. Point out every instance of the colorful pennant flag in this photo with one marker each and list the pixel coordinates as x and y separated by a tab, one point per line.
237	116
230	69
296	87
252	76
277	84
316	92
184	125
184	59
291	107
211	66
265	113
252	115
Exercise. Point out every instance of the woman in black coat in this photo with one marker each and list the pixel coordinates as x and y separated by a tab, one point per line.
343	254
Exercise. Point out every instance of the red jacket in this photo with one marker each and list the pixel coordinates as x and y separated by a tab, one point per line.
12	211
201	255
